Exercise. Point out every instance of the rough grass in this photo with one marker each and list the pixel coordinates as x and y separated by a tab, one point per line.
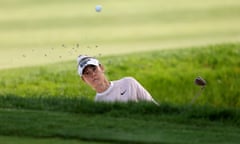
49	103
52	102
168	75
131	110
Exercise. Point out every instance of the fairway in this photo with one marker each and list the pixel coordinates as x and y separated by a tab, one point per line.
110	126
41	32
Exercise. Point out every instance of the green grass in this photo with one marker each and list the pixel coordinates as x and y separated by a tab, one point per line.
142	123
50	102
86	106
33	32
47	102
168	75
30	140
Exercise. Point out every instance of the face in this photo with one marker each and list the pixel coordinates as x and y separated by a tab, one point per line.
93	75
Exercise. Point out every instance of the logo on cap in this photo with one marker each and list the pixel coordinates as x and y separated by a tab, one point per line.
84	61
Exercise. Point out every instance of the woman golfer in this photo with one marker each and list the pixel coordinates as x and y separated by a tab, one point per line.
126	89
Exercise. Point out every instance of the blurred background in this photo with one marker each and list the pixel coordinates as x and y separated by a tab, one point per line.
41	31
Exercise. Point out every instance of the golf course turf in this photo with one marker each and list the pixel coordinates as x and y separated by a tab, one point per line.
165	45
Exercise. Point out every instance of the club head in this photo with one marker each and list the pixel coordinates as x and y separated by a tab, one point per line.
200	81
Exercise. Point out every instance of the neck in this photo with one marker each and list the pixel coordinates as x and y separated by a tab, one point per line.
103	86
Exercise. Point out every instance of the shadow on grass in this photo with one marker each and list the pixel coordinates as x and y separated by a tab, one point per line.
131	109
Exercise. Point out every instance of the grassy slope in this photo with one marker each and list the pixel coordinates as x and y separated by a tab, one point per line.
32	32
168	75
44	101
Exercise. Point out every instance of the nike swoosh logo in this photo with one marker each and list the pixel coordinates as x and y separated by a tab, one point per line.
122	93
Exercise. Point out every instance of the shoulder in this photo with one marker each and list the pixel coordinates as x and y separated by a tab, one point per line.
127	80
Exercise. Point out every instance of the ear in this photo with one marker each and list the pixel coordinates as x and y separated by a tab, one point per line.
83	79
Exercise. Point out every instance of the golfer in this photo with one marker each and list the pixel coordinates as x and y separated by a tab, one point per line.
126	89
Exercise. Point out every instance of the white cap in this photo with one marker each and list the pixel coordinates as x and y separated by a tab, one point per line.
83	61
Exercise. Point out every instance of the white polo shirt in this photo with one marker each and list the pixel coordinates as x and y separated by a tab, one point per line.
124	90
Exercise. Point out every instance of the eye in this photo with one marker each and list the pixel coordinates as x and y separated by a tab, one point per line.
94	69
86	73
